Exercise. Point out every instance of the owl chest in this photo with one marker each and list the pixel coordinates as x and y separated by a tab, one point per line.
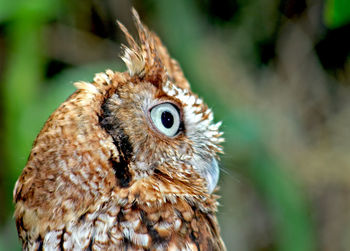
134	227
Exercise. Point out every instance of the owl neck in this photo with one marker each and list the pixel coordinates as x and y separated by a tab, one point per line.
158	189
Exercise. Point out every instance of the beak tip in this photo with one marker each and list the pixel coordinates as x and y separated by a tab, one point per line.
212	175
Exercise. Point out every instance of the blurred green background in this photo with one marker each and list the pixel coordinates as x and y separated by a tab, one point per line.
276	72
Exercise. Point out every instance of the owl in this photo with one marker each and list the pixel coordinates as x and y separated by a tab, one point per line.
127	162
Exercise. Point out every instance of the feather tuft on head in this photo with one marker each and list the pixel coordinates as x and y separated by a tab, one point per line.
142	60
149	59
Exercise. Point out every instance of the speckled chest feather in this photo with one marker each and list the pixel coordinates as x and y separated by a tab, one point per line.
127	162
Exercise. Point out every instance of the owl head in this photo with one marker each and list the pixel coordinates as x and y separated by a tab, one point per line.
158	124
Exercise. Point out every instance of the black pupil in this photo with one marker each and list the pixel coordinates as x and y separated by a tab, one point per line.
167	119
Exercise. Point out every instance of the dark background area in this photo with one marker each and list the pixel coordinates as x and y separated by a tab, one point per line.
276	72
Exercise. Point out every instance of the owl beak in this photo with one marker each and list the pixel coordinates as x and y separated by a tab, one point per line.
212	175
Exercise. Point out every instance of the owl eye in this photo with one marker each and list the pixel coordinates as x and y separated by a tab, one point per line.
166	118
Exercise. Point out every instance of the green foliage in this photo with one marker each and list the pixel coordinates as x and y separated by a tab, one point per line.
336	13
36	10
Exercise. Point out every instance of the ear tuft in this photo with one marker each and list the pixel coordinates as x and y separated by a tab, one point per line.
149	59
133	61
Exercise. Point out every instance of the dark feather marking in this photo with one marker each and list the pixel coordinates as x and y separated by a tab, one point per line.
127	243
18	196
20	225
40	240
120	216
82	217
121	172
195	240
89	248
210	221
156	238
110	123
62	239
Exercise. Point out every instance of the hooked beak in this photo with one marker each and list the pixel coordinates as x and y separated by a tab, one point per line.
211	174
208	169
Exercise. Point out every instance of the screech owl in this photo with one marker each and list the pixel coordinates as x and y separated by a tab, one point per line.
127	162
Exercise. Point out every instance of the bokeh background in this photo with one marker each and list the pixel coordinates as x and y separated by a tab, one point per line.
276	72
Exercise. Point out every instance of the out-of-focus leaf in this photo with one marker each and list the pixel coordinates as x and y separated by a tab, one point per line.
7	8
337	13
22	9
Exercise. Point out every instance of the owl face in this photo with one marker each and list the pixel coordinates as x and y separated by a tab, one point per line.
162	126
159	125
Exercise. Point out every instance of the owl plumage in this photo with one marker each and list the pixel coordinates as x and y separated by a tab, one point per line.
127	162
